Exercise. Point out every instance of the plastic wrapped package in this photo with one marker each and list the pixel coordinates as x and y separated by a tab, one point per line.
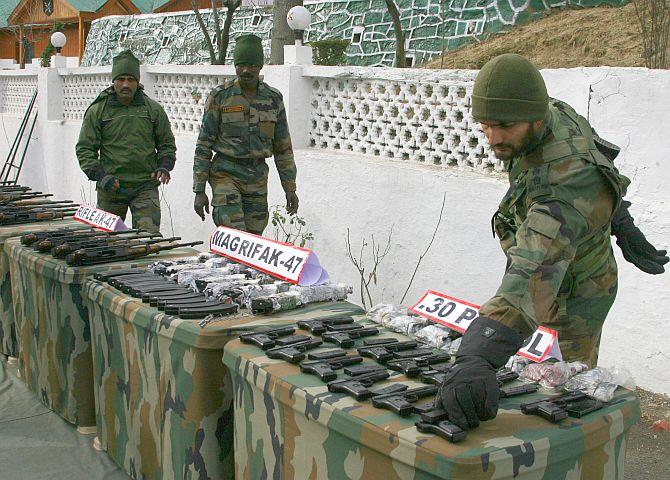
220	292
329	292
405	324
455	345
383	310
206	256
601	383
434	335
552	375
218	262
200	284
281	302
517	363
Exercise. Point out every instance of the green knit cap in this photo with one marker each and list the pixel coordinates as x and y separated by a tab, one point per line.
509	88
248	49
125	63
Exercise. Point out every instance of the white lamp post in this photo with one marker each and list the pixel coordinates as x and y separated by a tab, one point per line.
298	19
58	40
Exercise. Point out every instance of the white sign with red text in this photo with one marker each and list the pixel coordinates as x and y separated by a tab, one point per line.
282	260
458	315
99	219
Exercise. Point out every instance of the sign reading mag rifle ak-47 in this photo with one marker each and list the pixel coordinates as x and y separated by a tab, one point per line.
458	315
281	260
100	219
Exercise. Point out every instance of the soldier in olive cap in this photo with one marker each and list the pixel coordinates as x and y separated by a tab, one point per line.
554	225
126	146
243	124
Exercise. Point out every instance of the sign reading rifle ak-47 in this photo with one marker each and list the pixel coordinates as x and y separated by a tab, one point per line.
281	260
459	315
99	219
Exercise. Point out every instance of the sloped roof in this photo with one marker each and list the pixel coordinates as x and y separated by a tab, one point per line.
6	9
147	6
87	5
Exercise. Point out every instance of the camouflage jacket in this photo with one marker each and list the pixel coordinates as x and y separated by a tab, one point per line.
237	129
127	142
554	223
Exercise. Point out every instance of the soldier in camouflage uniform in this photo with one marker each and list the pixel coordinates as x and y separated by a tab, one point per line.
126	145
243	124
554	226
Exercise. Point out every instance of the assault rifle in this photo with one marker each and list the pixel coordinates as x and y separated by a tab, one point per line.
30	238
16	196
34	216
98	255
24	207
49	242
61	251
4	188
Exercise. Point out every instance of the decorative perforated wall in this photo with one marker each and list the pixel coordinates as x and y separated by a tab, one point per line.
422	122
16	92
79	90
183	97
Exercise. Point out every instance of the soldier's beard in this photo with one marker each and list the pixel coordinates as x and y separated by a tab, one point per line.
507	151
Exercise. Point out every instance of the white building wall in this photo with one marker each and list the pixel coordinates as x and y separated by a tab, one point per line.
369	195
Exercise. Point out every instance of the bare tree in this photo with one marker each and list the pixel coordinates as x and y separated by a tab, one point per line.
400	59
425	252
654	22
281	32
366	275
221	35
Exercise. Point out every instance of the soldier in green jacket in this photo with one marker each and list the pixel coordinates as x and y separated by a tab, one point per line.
126	146
243	124
554	225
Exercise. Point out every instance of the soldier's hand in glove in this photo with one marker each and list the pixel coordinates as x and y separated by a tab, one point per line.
201	204
634	245
291	203
470	391
162	175
109	183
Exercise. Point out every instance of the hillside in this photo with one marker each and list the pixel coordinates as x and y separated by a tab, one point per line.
589	37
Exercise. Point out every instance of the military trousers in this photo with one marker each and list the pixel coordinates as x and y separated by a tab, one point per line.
583	306
240	196
143	201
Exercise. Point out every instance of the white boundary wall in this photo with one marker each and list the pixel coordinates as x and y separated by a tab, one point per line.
368	194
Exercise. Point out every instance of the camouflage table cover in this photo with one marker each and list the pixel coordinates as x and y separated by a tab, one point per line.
53	327
163	396
288	426
8	343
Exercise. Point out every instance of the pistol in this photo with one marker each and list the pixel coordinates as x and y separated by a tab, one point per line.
358	387
317	326
295	352
266	339
552	408
401	403
325	369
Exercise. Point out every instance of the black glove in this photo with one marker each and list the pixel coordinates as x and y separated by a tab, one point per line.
633	244
107	182
470	391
